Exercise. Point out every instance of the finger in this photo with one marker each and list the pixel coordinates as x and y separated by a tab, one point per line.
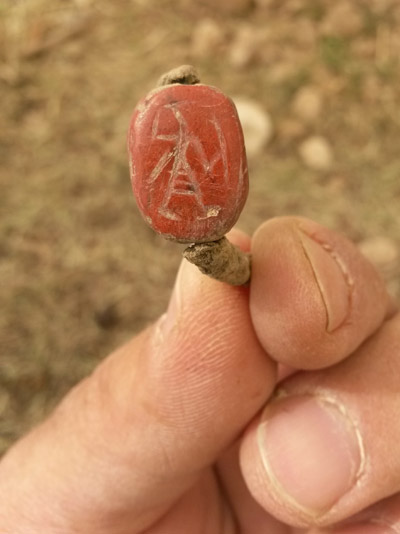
328	445
314	297
130	439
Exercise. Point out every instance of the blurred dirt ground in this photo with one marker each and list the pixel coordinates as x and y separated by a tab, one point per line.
80	272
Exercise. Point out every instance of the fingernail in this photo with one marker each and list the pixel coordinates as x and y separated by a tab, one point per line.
334	282
311	450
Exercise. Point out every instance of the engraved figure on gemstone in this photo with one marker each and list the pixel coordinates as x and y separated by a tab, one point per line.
183	178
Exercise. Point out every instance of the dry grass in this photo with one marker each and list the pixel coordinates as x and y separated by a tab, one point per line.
80	272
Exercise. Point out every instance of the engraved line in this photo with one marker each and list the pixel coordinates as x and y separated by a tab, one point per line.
183	177
162	163
181	165
154	126
222	144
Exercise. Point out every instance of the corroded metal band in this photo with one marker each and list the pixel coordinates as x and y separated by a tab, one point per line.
221	260
185	74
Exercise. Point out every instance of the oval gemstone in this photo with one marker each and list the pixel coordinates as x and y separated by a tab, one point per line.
188	162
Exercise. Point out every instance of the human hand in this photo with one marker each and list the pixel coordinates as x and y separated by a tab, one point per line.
184	429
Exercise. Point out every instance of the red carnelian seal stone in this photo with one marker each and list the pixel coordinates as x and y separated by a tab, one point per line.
188	162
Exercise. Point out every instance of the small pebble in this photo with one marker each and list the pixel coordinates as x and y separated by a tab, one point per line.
307	104
344	19
230	7
245	46
256	123
316	153
306	32
290	130
207	37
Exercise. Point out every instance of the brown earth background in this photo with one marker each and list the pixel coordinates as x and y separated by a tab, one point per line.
80	272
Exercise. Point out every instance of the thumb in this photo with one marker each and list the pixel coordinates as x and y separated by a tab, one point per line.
129	440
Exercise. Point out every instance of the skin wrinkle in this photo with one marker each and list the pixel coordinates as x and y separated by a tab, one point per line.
346	275
317	282
195	366
216	338
158	338
220	520
376	514
382	522
194	363
349	282
281	496
182	306
227	506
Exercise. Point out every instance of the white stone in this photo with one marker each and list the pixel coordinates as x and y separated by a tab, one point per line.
316	153
207	36
256	123
307	104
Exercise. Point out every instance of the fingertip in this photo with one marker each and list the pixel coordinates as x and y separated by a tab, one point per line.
314	298
285	304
